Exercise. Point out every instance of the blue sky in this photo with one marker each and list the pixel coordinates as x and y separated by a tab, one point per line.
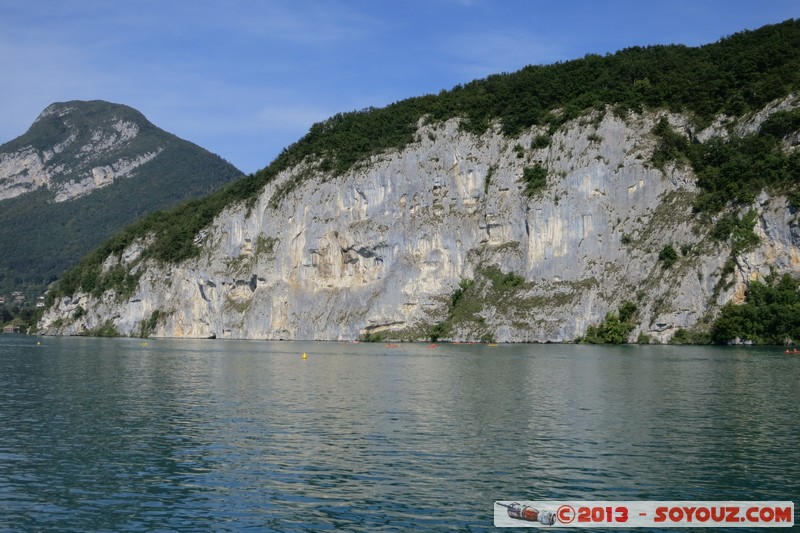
246	78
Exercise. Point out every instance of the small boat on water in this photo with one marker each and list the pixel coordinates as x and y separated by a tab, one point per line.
390	345
433	345
793	351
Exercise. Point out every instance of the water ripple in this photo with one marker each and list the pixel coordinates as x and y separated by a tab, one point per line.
105	435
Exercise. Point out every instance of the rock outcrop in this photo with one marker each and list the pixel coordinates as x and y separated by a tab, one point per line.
383	248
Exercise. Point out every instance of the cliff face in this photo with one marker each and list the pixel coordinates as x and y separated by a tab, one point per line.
384	248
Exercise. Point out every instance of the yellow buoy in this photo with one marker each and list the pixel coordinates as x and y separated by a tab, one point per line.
305	356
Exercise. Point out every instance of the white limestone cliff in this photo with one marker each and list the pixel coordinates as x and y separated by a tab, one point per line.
383	247
21	172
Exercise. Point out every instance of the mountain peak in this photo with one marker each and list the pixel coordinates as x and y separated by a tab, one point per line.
85	108
108	160
75	147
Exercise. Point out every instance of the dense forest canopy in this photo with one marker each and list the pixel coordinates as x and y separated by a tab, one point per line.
734	76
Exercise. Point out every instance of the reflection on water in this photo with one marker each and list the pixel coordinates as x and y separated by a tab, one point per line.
99	434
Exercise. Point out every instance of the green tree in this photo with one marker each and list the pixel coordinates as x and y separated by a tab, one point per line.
615	328
534	178
770	314
667	256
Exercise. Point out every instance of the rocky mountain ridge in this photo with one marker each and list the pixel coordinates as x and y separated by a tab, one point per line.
82	171
386	250
71	168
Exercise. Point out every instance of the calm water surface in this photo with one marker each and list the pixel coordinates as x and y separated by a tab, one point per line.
180	435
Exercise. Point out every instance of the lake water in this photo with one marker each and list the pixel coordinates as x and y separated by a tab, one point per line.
183	435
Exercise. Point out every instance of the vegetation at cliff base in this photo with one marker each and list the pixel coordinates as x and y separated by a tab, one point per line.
147	327
615	329
106	329
770	314
17	316
491	288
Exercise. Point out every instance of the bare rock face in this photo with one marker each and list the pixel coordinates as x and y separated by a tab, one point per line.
384	248
21	172
102	176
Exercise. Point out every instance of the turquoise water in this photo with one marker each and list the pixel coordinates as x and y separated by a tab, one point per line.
181	435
